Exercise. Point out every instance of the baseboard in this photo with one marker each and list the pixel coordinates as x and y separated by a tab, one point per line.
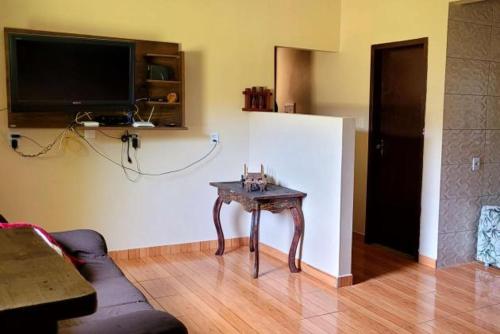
328	279
427	261
139	253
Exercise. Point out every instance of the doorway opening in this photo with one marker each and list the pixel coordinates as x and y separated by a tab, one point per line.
396	143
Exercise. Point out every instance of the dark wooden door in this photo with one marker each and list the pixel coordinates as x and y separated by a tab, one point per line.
396	142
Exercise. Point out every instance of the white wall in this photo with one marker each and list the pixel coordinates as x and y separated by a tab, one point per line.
314	154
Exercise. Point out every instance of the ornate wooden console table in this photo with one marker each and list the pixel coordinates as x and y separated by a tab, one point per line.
274	199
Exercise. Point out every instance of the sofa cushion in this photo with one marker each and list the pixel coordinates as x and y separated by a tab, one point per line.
116	291
82	243
99	268
140	322
106	313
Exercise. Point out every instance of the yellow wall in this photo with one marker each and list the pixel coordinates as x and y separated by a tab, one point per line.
368	22
229	45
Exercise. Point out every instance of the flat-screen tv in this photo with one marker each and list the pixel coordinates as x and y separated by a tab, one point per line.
53	73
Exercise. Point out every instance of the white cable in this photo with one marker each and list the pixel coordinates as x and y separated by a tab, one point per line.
137	113
45	149
151	113
61	136
77	117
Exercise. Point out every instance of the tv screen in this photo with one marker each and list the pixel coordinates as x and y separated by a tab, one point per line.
66	73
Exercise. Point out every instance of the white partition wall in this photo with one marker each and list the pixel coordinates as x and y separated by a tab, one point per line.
313	154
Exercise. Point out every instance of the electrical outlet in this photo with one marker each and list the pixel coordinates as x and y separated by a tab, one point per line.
14	135
214	137
14	139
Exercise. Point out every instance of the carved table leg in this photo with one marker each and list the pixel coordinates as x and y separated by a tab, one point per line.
298	220
255	240
218	227
250	242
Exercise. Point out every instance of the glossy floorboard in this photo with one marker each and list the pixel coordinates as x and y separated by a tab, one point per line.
393	294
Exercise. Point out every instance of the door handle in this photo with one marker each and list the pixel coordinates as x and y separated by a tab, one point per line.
380	147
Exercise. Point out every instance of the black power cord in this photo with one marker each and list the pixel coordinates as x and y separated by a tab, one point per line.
127	138
138	170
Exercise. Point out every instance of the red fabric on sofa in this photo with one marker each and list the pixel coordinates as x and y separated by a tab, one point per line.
47	236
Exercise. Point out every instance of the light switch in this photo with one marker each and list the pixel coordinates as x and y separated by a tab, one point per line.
476	163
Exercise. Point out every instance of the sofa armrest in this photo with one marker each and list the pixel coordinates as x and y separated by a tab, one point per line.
82	243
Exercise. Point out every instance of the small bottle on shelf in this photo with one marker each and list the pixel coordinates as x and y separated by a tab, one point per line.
254	98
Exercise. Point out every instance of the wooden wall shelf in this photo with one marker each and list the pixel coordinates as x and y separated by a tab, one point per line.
124	127
158	55
251	109
162	82
163	103
146	53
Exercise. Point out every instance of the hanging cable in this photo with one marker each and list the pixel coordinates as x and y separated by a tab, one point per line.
141	172
125	171
106	135
32	140
45	149
137	170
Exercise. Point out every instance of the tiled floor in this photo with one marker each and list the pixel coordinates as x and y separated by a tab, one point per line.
393	294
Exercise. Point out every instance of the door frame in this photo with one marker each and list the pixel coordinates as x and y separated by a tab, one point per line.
373	112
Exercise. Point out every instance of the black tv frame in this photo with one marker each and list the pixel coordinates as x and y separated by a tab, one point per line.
17	106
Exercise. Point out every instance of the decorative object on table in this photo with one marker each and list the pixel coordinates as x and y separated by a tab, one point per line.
290	108
257	99
276	199
172	97
254	181
160	72
488	236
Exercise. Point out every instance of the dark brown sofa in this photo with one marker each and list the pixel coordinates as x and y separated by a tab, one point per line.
121	308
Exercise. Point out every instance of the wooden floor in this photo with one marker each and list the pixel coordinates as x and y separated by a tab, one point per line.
393	294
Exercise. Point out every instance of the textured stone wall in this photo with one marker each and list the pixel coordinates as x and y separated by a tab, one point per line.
471	127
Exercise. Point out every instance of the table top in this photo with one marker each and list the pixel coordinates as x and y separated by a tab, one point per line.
36	281
273	191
